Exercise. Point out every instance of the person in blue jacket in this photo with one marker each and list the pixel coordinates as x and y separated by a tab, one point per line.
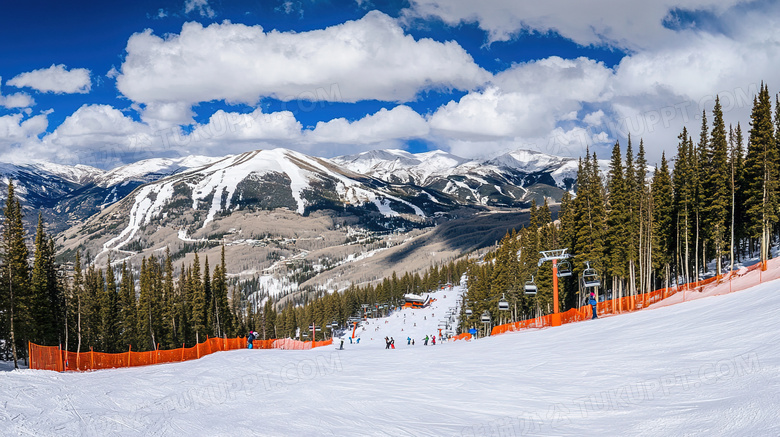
592	302
249	339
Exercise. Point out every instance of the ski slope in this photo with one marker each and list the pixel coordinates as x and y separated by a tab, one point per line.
706	367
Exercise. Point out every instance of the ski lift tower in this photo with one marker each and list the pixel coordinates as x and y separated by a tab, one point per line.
554	256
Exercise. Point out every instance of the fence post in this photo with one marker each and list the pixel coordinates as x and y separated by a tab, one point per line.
59	359
32	359
129	349
92	357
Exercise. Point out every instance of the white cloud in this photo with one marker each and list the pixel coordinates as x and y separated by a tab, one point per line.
101	136
56	79
594	118
527	100
16	100
200	6
630	24
370	58
384	126
19	140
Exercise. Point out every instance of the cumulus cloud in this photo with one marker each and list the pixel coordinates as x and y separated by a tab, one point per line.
55	79
370	58
19	136
629	24
527	100
101	136
399	123
16	100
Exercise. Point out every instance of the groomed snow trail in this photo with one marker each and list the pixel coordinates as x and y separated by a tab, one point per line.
706	367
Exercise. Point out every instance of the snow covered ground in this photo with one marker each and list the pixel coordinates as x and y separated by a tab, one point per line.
705	367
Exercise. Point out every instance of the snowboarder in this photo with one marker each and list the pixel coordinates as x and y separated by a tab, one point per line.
358	340
392	343
249	339
425	341
412	342
434	340
592	302
387	343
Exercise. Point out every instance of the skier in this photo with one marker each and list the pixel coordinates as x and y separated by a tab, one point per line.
249	339
358	340
592	302
392	343
341	346
387	343
434	340
425	340
408	341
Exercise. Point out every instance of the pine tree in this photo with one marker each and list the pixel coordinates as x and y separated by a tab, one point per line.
198	320
683	200
109	314
717	187
738	180
128	309
169	304
16	277
761	173
663	224
618	221
45	306
211	305
698	164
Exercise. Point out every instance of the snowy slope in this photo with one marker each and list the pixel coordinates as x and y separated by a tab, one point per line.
394	165
707	367
409	323
151	169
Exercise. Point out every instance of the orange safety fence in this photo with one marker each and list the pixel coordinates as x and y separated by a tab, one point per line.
464	336
290	344
54	358
637	302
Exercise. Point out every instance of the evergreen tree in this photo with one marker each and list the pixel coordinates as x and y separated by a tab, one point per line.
128	308
169	305
198	320
16	279
618	221
109	314
683	200
717	187
663	224
761	173
45	305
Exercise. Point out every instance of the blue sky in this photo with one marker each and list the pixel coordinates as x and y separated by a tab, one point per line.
106	83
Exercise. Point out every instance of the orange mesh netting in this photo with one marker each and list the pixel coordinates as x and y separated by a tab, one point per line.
53	358
737	280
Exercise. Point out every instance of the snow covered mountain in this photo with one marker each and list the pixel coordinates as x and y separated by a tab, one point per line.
66	195
203	204
509	180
